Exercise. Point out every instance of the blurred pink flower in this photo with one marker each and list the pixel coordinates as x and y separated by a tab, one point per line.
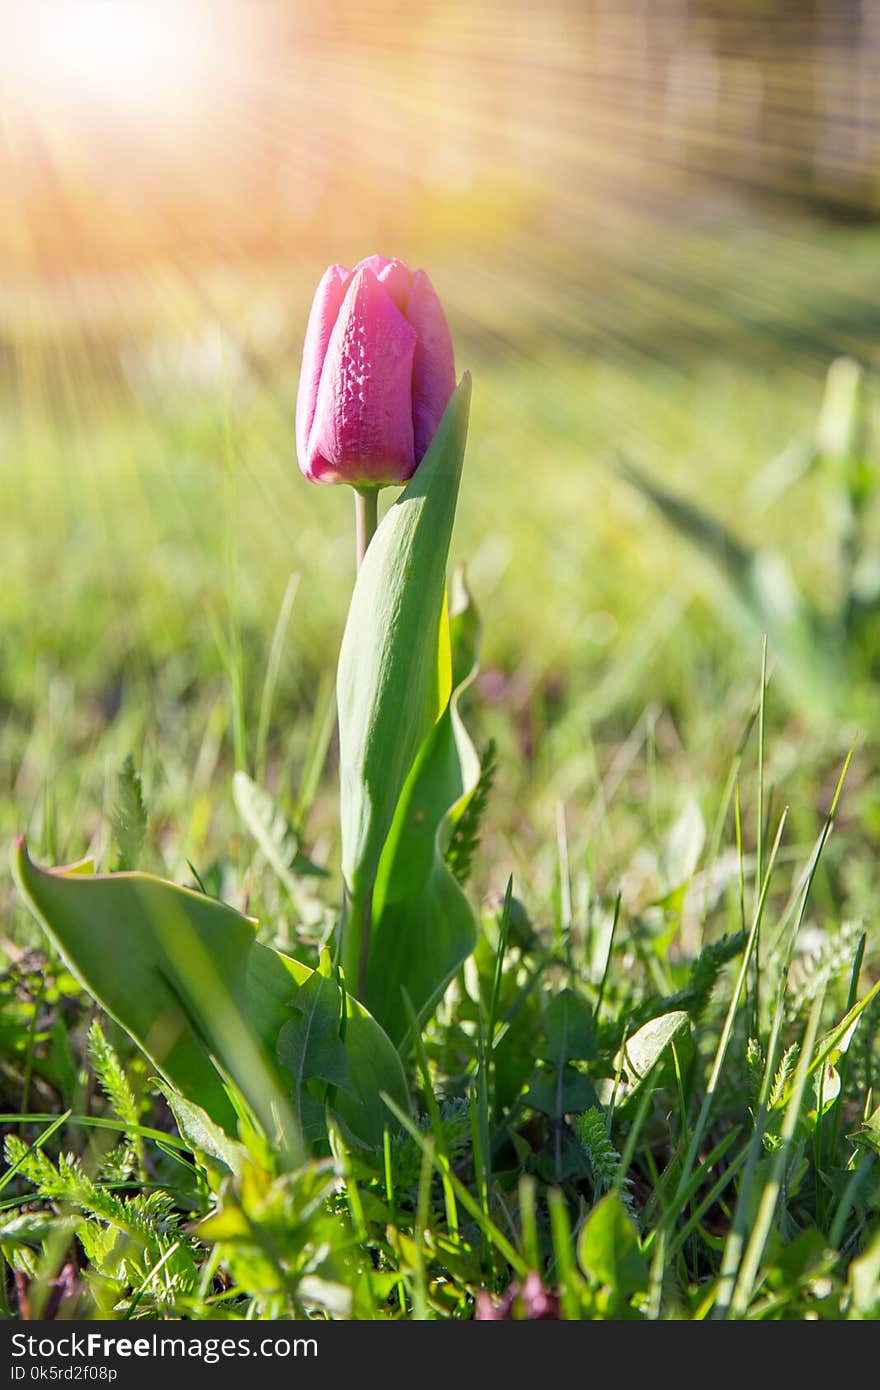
377	374
526	1302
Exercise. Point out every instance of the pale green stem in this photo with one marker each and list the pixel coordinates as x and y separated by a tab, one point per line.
366	516
355	946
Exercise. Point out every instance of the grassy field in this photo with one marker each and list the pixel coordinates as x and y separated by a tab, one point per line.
174	590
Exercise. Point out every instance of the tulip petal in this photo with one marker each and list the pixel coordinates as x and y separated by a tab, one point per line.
362	432
325	309
434	363
394	274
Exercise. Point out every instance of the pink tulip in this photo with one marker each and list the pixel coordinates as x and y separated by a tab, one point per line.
377	375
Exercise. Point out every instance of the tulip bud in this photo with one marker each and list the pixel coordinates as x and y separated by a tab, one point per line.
377	374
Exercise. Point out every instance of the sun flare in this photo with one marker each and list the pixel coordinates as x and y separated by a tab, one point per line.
134	56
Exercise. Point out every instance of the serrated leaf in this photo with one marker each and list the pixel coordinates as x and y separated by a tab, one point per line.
273	832
207	1140
391	687
128	819
465	838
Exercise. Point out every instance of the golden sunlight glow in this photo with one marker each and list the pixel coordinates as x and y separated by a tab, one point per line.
551	159
137	55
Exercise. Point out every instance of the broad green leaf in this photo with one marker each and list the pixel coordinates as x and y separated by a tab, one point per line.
608	1249
569	1029
185	977
561	1092
169	965
790	1263
373	1064
643	1056
309	1043
389	681
423	926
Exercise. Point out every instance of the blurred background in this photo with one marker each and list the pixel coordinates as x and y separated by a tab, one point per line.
654	224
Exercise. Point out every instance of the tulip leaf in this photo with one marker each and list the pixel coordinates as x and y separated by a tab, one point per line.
184	975
311	1048
167	963
373	1066
391	687
423	926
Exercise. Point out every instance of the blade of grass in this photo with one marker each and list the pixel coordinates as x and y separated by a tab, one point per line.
732	1255
320	734
563	1266
529	1222
759	830
754	1253
433	1110
727	1028
472	1207
270	680
614	921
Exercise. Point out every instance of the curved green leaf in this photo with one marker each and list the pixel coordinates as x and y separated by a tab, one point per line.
648	1055
169	965
183	974
390	685
423	926
608	1249
373	1065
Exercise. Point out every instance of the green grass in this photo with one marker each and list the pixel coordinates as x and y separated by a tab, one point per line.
661	814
